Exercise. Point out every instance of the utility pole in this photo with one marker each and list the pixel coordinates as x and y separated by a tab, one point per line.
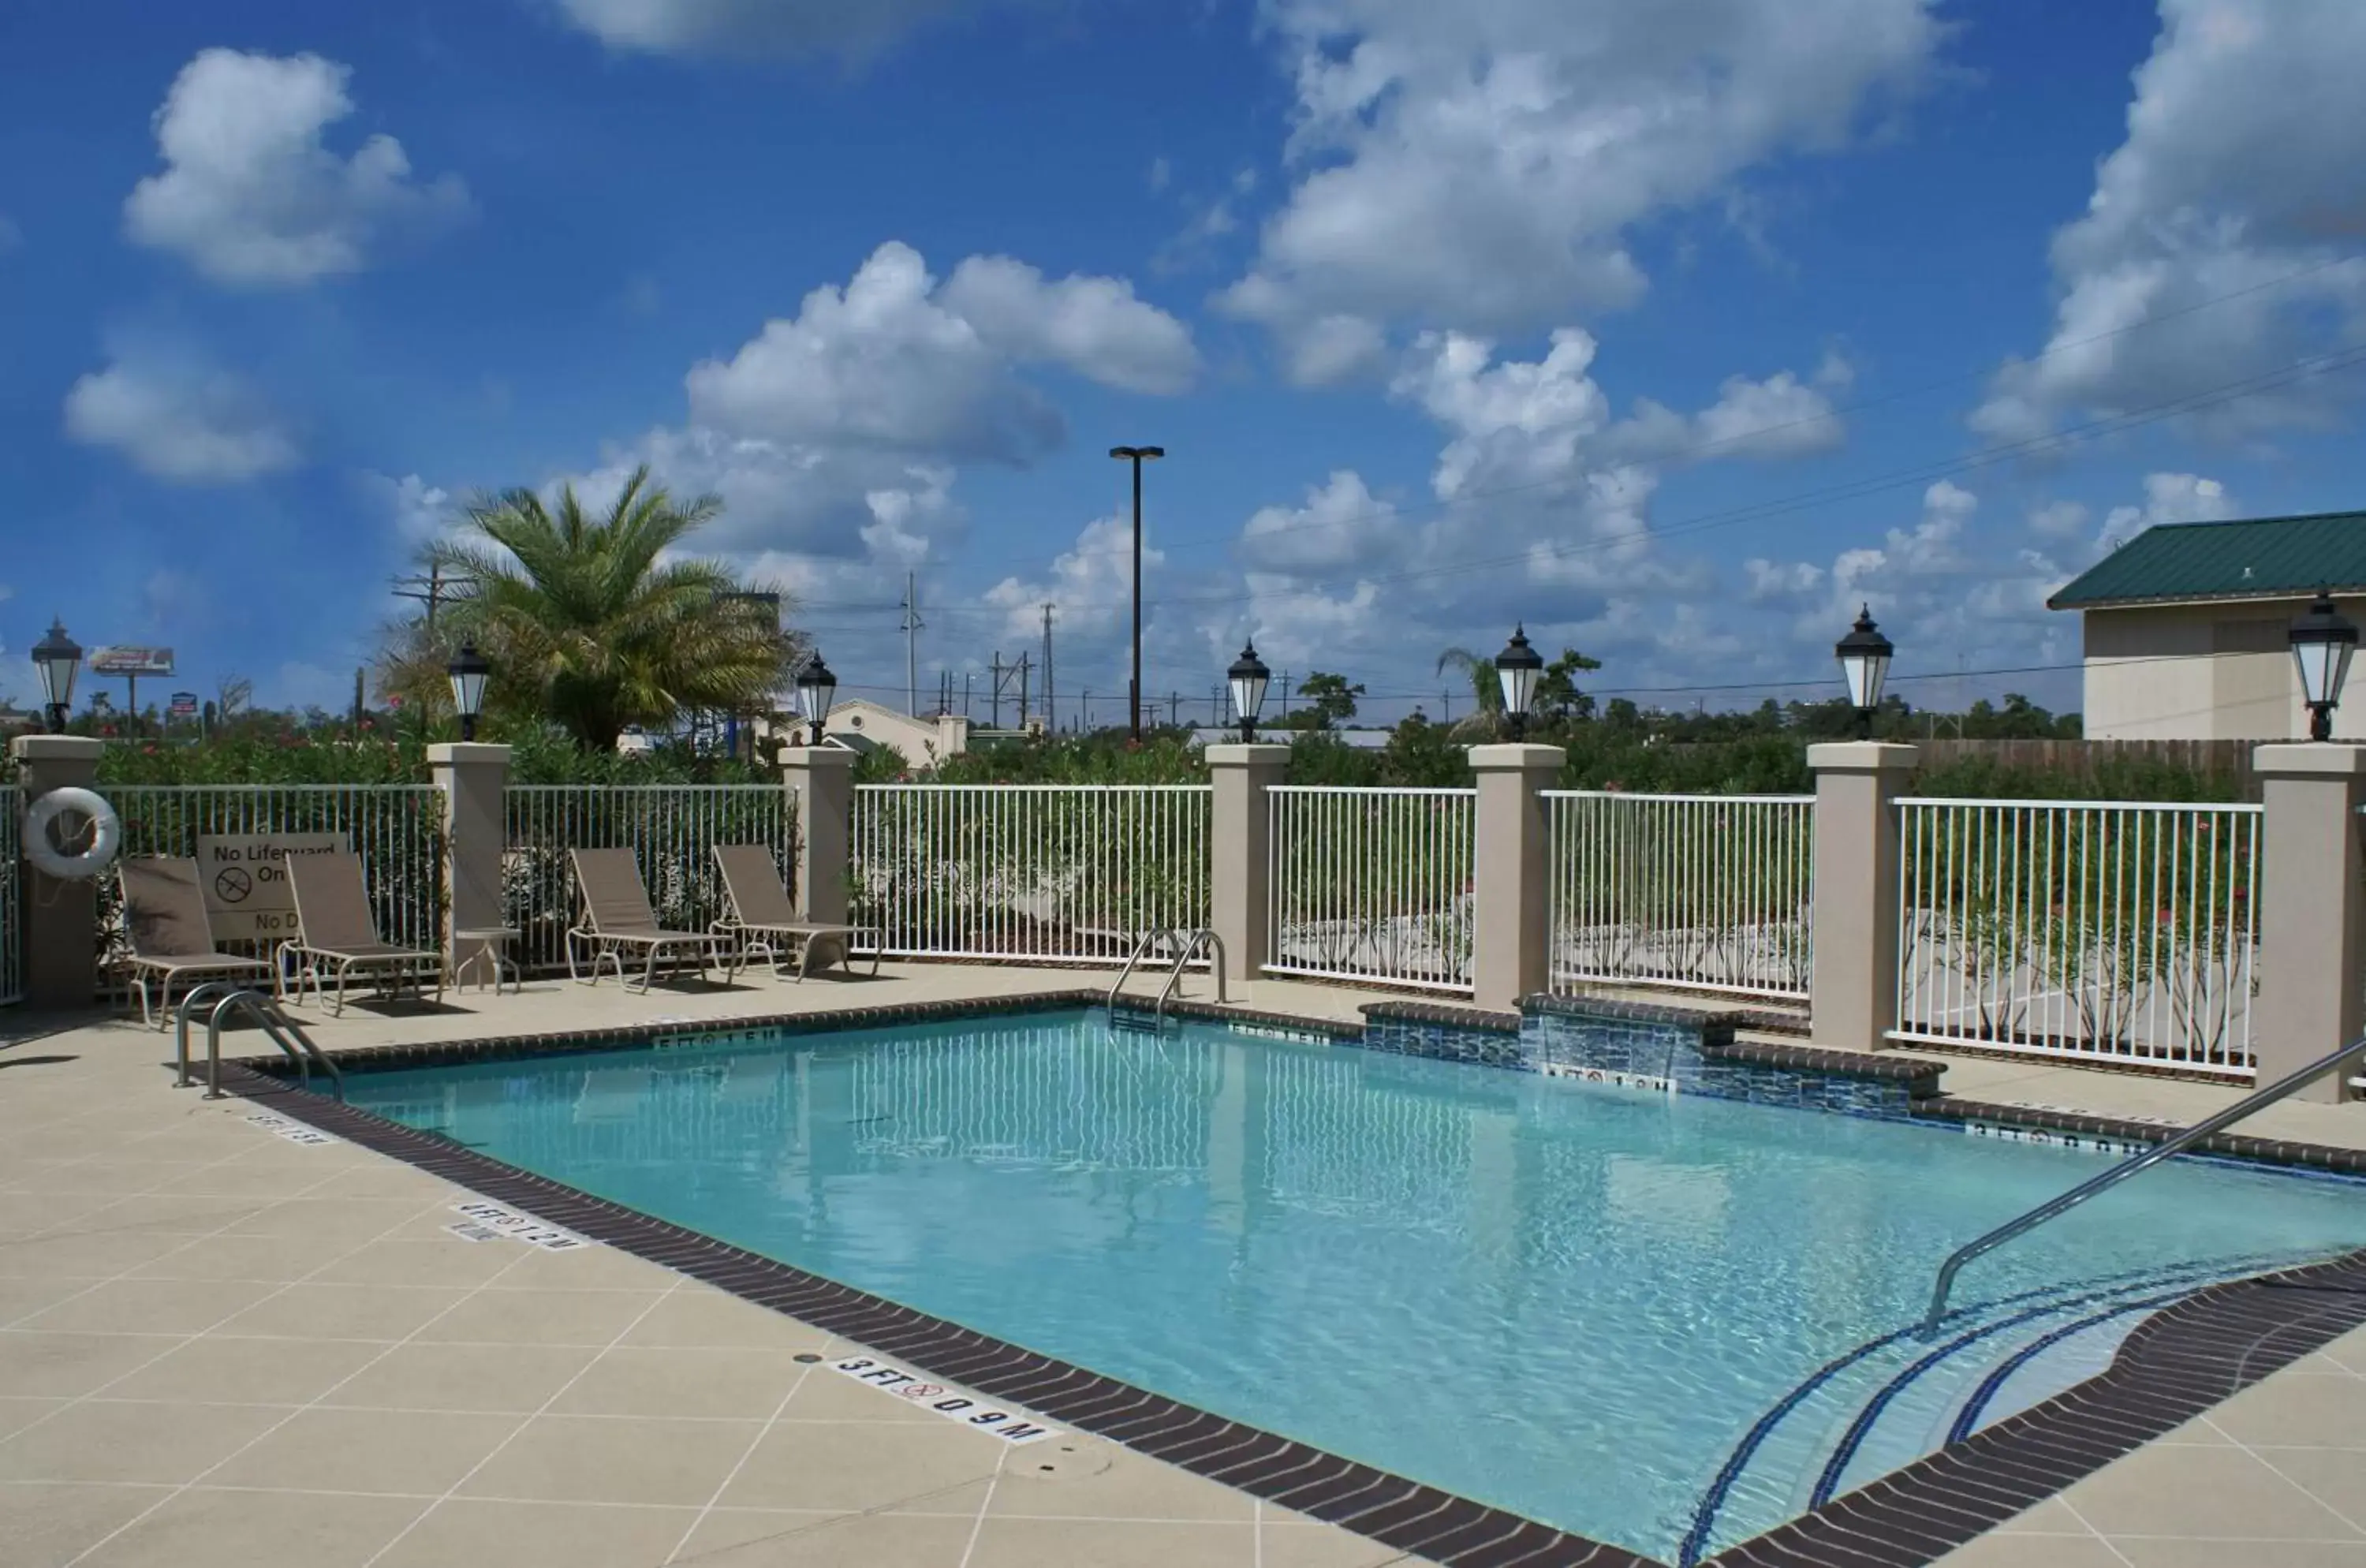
912	623
1137	455
1174	709
1445	706
1086	723
431	591
1285	695
967	676
1051	706
995	672
1022	691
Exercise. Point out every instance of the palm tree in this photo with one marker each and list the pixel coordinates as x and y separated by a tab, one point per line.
1479	670
584	622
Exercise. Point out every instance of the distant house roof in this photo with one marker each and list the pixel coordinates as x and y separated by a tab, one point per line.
2263	557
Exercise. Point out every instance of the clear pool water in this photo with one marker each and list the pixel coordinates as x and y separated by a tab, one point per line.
1568	1300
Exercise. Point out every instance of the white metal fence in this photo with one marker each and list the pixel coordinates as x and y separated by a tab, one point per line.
1715	892
672	828
1372	885
1053	873
396	829
2097	930
12	907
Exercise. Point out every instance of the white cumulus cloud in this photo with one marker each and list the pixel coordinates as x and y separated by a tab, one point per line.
251	195
892	362
2239	176
851	28
1479	167
180	419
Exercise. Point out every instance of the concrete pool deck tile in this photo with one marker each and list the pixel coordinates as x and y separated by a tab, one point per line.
423	1375
148	1306
591	1318
277	1259
2202	1494
85	1253
1025	1543
726	1382
200	1528
2036	1552
48	1524
471	1531
614	1458
208	1369
26	1297
443	1259
857	1467
1103	1482
2143	1553
2301	1413
1319	1546
407	1452
732	1538
67	1366
308	1310
19	1411
114	1441
710	1318
2334	1477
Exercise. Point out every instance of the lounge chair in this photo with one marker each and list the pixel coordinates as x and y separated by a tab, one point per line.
171	938
617	917
764	919
336	933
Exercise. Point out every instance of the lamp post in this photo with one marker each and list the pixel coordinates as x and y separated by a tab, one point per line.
2321	643
469	671
57	656
1248	677
1865	655
1517	670
1137	455
816	689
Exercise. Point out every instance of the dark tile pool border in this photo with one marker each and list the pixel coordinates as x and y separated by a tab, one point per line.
2178	1362
1406	1515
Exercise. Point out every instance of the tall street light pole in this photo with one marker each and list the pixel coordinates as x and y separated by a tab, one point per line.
1136	456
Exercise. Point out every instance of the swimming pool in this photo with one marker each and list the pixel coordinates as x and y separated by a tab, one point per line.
1668	1322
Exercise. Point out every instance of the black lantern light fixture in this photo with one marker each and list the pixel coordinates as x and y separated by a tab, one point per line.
1865	655
816	689
57	656
2321	643
1248	677
469	671
1517	670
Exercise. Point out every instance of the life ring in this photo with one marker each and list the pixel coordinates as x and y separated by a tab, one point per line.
106	834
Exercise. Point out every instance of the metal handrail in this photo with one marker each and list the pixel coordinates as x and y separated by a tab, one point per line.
1139	947
2122	1171
300	1049
1173	976
198	993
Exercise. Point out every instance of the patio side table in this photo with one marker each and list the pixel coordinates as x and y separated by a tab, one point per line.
490	944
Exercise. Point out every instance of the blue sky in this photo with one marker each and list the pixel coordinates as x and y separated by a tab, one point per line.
1675	330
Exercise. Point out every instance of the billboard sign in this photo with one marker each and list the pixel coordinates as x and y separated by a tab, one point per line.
121	660
183	706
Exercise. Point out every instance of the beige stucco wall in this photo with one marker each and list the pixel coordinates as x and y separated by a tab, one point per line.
2220	672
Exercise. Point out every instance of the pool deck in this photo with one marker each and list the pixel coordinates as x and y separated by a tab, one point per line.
218	1346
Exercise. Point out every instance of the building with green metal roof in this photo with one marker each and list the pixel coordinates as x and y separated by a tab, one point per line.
2186	627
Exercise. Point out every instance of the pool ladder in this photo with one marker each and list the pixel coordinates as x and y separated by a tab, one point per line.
1187	945
229	998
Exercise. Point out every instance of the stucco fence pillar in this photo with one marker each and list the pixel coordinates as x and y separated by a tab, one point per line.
1853	989
58	920
474	778
1511	945
820	782
2312	898
1240	846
